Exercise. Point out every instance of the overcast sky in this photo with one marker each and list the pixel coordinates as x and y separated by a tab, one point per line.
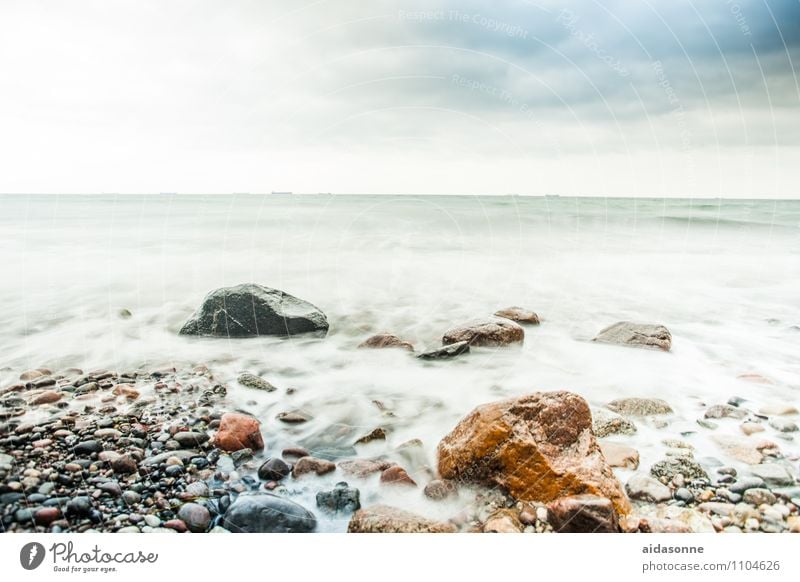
659	98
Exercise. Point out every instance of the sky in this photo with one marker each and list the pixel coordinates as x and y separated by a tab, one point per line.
614	98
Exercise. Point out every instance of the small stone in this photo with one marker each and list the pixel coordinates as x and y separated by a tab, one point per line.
783	425
583	514
341	499
635	334
176	524
293	417
197	489
312	465
605	423
618	455
363	468
46	515
744	483
238	431
518	314
502	521
252	381
386	340
46	397
375	435
273	469
749	428
778	410
666	470
639	406
190	439
87	447
152	520
124	465
125	391
131	497
446	352
683	494
439	489
295	453
195	516
79	506
396	475
724	411
386	519
645	488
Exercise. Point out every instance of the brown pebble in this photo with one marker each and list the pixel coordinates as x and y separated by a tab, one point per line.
397	476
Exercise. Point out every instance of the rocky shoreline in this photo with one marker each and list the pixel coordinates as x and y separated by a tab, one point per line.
167	450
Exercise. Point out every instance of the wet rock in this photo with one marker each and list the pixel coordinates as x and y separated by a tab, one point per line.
124	465
537	447
31	375
46	515
750	428
666	470
386	340
742	484
773	474
618	455
446	352
197	489
583	514
125	391
251	310
518	314
293	417
295	453
273	469
396	475
644	488
312	465
778	410
87	447
180	455
639	406
673	519
640	335
493	332
502	521
190	439
238	431
195	516
46	397
739	448
79	506
377	434
341	499
724	411
605	423
363	468
252	381
439	489
386	519
267	513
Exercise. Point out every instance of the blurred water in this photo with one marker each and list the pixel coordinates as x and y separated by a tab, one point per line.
724	276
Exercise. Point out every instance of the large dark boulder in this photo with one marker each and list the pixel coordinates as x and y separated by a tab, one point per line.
267	513
251	310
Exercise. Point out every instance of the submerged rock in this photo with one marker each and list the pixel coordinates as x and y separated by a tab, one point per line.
386	519
250	310
583	514
252	381
386	340
518	314
267	513
538	447
640	335
446	352
639	406
312	465
618	455
238	431
493	332
669	468
274	469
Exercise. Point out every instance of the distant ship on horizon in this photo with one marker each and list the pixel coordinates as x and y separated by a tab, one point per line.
284	193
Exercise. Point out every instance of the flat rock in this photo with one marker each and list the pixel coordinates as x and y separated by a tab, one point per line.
724	411
503	521
639	406
583	514
618	455
644	488
189	439
312	465
250	310
493	332
640	335
666	470
606	423
446	352
386	519
255	382
238	431
773	474
519	314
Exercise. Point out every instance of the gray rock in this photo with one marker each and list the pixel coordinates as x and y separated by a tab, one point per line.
490	332
267	513
341	499
773	474
688	468
639	406
605	423
189	439
757	496
250	310
446	352
255	382
641	335
87	447
645	488
724	411
783	425
274	469
183	455
744	483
